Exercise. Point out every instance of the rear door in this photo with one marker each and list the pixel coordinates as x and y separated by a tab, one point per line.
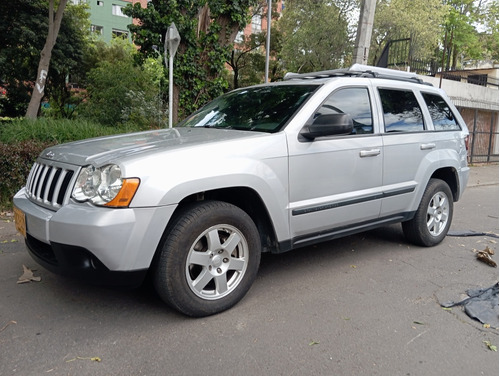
405	145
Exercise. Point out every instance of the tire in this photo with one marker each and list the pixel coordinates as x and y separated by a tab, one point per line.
209	259
433	217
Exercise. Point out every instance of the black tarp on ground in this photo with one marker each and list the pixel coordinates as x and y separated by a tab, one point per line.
482	305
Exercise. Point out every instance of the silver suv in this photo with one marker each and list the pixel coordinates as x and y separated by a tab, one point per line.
267	168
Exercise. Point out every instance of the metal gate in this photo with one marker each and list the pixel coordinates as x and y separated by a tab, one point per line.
483	128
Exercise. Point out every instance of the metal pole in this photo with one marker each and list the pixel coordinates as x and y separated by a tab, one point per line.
172	40
268	39
170	89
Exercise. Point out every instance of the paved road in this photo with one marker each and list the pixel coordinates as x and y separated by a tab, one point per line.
362	305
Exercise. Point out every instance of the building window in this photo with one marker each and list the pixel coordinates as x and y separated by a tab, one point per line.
257	23
119	33
478	79
118	11
100	3
239	37
96	29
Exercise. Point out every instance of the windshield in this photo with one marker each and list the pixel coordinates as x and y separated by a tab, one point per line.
261	109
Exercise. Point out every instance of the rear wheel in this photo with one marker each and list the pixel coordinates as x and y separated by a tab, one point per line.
209	259
433	217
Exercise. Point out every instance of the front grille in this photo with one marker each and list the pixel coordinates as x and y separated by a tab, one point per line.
49	185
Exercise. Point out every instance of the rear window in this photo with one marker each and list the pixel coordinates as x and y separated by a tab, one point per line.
260	109
441	114
401	111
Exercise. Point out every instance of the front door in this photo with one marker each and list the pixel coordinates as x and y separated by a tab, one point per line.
335	181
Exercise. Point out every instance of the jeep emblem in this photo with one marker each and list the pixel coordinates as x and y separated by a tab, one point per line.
50	154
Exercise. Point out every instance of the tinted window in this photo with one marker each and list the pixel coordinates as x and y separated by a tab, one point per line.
441	114
264	109
352	101
401	111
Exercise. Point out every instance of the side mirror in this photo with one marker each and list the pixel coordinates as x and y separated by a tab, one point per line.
327	125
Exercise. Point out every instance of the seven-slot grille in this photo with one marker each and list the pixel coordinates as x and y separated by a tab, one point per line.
49	185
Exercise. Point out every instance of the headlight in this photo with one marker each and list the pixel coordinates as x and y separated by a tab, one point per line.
104	186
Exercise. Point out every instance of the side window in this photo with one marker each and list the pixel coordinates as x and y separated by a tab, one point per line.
441	114
401	111
353	101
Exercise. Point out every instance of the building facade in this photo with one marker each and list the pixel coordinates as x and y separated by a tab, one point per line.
108	20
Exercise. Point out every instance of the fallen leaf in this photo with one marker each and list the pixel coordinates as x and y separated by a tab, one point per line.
485	257
418	323
487	326
28	276
490	346
446	309
312	343
6	325
94	359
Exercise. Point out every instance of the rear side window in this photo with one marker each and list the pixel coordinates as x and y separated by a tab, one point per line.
353	101
441	114
401	111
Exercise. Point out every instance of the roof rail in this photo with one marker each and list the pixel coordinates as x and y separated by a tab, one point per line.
359	70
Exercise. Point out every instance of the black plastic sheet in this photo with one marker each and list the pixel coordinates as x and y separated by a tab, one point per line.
482	305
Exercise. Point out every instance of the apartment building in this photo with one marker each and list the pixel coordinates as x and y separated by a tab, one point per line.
107	18
258	23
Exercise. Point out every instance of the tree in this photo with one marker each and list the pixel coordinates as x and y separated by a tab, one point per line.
45	55
419	20
23	37
248	58
207	30
464	30
67	66
463	40
21	41
119	90
315	35
489	36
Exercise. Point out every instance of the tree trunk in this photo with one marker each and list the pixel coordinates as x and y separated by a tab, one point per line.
175	105
45	55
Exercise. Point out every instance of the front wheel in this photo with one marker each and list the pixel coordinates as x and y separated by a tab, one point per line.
433	217
208	260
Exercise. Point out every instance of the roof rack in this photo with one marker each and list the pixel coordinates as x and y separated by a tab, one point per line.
359	70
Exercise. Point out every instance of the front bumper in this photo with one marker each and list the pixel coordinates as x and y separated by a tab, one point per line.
101	245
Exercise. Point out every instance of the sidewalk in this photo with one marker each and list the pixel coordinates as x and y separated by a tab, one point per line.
486	174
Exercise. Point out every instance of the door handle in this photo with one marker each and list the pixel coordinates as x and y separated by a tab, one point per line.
427	146
369	153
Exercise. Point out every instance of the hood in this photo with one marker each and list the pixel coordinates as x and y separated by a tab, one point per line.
125	146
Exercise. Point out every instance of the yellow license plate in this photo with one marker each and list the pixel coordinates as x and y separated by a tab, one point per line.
20	220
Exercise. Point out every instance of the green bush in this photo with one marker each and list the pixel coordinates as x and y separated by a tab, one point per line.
15	163
22	140
54	130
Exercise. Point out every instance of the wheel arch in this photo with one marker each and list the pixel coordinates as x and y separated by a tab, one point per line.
450	176
246	199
